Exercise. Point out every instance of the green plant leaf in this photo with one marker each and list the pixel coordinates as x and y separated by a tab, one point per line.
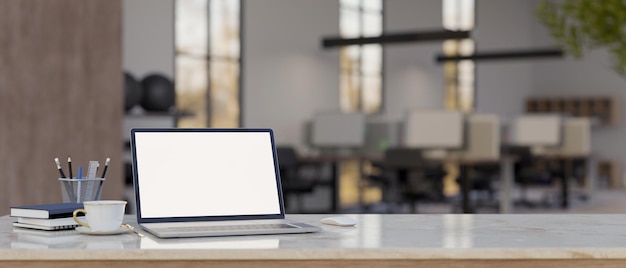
581	25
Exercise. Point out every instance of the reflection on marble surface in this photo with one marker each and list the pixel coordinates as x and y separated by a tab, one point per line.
456	231
375	236
70	239
370	225
249	242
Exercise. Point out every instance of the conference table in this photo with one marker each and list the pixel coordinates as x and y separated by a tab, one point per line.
398	240
465	164
506	176
505	163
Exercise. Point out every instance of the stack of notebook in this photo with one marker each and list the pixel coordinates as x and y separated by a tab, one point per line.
46	216
37	239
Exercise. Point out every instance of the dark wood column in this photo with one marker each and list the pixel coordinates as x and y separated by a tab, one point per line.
60	94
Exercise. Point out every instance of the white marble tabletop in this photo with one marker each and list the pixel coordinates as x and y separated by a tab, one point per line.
490	237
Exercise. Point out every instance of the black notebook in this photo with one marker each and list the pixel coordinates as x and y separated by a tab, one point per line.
46	211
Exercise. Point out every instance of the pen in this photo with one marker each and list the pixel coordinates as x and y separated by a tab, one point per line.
106	165
56	160
69	164
80	176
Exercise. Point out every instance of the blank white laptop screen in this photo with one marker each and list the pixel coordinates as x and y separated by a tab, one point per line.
200	174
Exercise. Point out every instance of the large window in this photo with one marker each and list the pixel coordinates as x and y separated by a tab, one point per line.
458	15
208	62
361	65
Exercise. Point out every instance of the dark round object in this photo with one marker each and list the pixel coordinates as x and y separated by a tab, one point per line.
158	93
132	92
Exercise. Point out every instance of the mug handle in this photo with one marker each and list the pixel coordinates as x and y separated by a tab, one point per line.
74	215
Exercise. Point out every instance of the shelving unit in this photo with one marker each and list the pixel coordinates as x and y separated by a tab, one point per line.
602	108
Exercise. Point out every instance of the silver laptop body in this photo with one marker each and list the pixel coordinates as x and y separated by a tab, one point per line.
209	182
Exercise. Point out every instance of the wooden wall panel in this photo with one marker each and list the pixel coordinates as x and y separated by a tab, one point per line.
60	95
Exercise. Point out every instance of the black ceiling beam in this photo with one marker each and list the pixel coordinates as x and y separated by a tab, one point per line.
405	37
505	55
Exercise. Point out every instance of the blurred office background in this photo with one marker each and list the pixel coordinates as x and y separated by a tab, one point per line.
393	106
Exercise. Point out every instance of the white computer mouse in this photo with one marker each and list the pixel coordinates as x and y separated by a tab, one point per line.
339	221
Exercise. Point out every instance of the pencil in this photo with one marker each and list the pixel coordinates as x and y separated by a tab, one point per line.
56	160
69	165
78	192
106	166
66	184
104	172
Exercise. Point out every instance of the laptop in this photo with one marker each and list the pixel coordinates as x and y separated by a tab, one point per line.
209	182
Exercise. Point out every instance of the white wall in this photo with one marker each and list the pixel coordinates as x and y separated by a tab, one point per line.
502	86
287	76
414	80
148	37
412	77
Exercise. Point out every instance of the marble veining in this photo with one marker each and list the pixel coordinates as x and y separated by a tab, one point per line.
417	236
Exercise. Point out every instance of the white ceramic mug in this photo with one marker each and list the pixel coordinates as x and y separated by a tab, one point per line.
102	215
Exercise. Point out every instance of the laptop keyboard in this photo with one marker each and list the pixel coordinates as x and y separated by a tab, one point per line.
228	228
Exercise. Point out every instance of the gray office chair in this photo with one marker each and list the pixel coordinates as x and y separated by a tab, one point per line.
531	171
292	182
406	178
